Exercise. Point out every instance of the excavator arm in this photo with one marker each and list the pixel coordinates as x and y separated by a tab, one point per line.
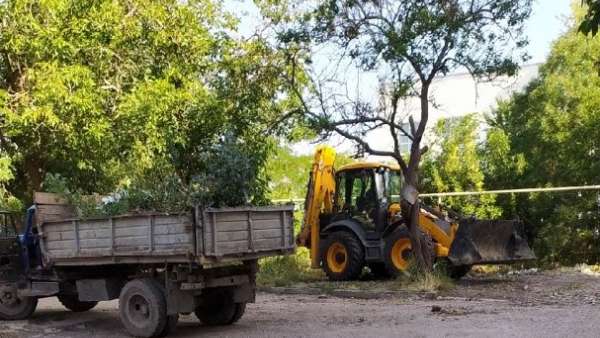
319	199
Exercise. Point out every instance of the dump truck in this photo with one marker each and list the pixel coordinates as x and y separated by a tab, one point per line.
352	219
158	265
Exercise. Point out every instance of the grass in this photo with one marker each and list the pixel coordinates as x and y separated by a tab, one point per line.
425	281
295	269
288	270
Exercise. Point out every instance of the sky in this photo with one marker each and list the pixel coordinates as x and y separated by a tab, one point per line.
548	21
457	93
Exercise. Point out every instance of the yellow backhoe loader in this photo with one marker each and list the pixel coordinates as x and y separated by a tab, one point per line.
352	219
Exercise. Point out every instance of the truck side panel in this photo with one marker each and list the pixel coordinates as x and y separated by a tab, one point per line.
235	231
210	235
134	235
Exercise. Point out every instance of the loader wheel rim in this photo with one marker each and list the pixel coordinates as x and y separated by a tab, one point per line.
337	257
400	253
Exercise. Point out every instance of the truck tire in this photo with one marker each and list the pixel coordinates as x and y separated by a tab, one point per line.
73	303
218	308
397	251
13	307
343	256
172	321
143	308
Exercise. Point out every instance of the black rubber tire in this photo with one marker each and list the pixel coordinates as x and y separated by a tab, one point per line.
19	309
73	303
218	308
402	232
379	270
140	296
172	321
457	272
355	256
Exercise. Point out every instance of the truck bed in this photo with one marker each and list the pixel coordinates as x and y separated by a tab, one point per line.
203	236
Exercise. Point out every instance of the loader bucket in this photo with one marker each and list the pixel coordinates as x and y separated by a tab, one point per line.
489	242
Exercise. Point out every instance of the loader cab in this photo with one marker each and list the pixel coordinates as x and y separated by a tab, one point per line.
365	191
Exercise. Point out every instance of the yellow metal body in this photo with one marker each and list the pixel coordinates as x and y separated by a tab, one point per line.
319	199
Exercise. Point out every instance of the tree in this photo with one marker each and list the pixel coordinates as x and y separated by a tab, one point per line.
107	92
591	21
408	44
455	163
552	128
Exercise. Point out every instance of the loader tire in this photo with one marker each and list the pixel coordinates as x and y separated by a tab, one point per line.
343	256
73	303
457	272
379	271
398	251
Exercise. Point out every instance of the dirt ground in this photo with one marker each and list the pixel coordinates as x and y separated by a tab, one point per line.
527	304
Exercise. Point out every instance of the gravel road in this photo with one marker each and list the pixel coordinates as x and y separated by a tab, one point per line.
502	307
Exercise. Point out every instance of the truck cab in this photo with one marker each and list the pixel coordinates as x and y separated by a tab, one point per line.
10	260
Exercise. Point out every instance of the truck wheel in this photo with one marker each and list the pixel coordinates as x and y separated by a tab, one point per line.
172	321
13	307
73	303
143	308
398	251
218	308
342	256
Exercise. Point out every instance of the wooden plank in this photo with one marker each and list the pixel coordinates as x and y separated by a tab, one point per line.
243	235
132	221
250	234
176	219
168	229
103	243
173	239
151	234
214	230
58	236
48	198
76	233
91	234
268	244
230	217
243	225
111	222
271	215
140	231
57	227
61	245
242	215
122	243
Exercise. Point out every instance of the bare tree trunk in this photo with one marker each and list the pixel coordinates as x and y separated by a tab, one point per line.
420	246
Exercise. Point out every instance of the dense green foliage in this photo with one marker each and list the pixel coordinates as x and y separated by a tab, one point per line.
455	164
288	173
554	127
120	94
591	21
